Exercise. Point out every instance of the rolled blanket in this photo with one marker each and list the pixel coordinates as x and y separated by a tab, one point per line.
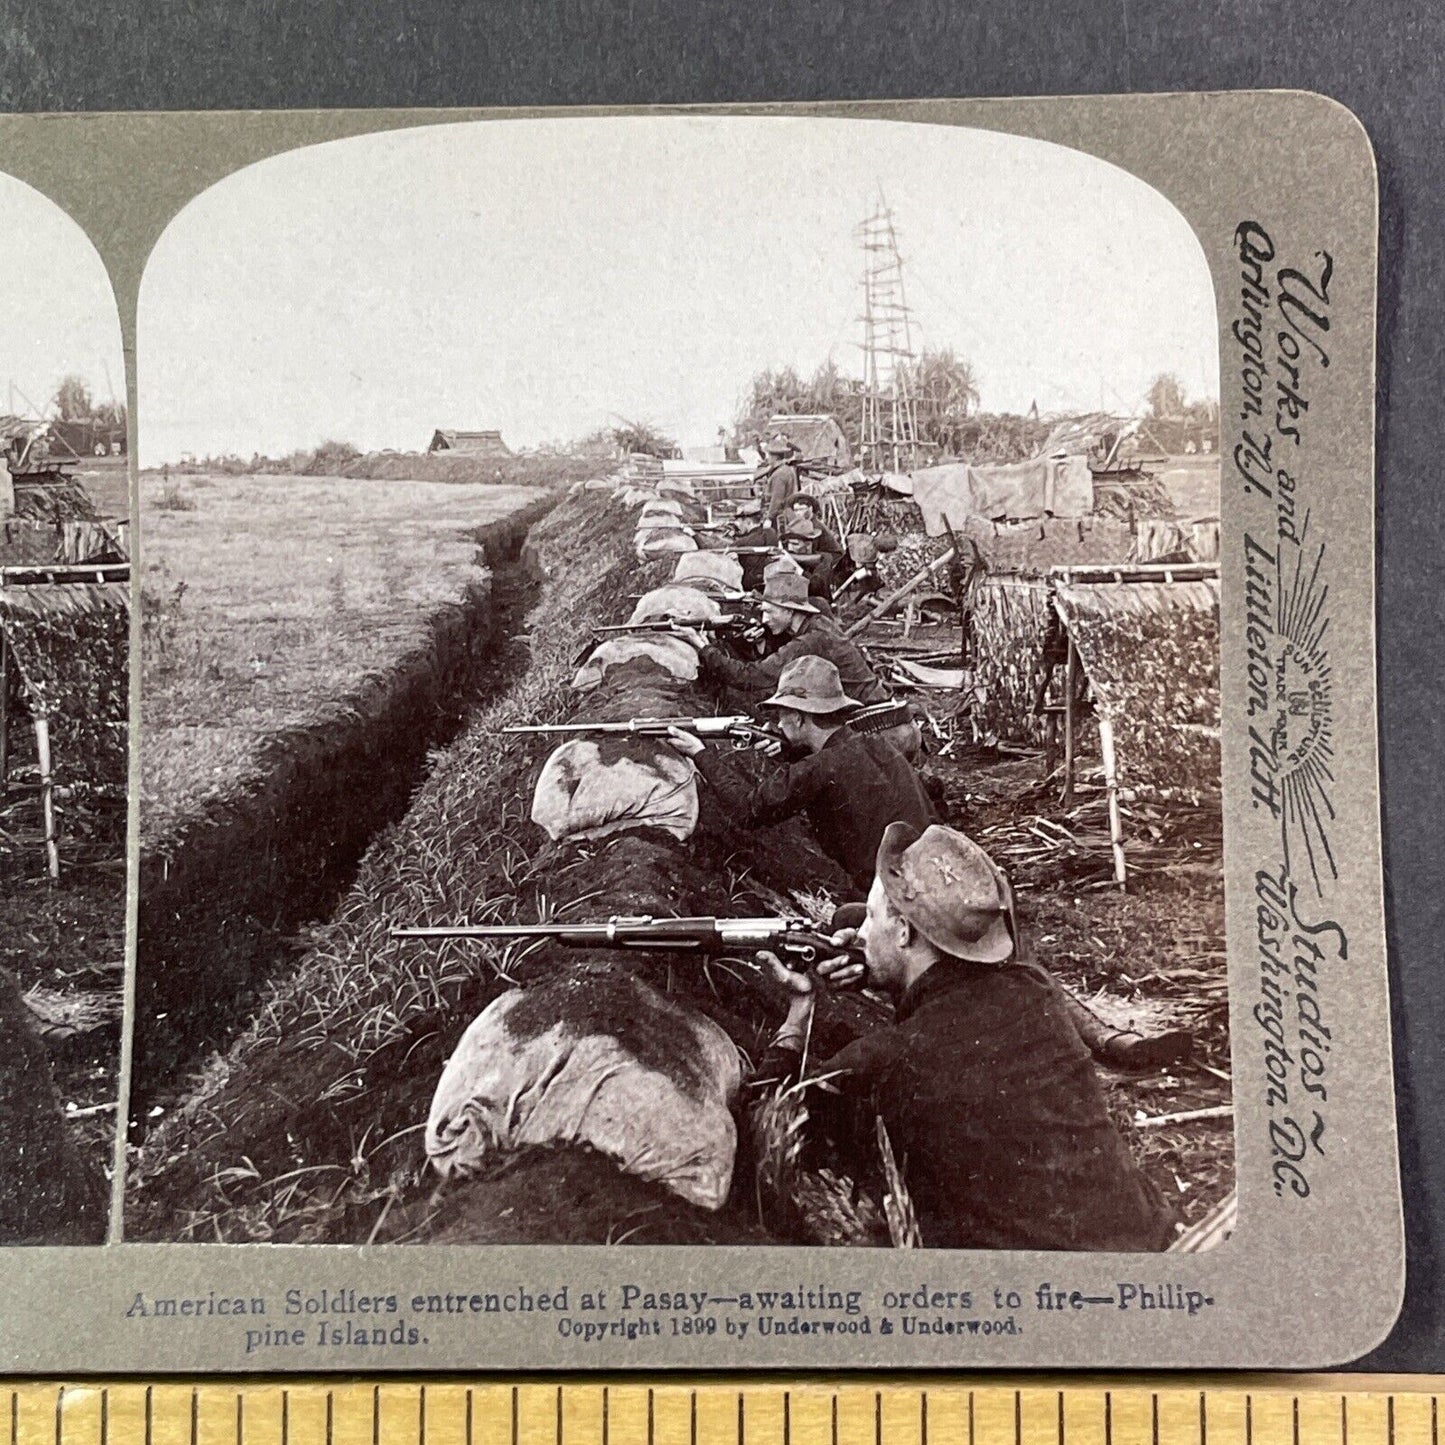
672	654
600	1059
595	787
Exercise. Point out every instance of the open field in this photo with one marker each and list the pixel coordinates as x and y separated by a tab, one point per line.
336	459
350	987
272	603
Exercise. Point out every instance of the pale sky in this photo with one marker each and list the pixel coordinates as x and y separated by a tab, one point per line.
547	277
57	311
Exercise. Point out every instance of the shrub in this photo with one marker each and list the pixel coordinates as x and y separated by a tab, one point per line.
173	498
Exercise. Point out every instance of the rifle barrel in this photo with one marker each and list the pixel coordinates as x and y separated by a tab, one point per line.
698	935
646	725
500	930
597	727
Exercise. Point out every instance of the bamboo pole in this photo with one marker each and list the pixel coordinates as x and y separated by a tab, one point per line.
46	574
1135	572
1111	784
894	598
1071	672
47	794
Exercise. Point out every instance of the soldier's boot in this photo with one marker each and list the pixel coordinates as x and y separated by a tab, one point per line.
1126	1048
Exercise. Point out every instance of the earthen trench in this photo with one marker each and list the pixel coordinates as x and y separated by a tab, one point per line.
218	916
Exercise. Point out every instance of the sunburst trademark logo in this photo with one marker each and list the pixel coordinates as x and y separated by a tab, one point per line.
1291	700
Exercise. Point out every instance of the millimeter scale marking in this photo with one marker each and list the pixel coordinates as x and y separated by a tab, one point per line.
1035	1410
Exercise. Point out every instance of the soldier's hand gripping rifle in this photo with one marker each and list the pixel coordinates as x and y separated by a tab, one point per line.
740	730
798	943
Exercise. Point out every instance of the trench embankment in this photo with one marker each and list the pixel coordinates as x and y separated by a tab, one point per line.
220	904
336	1072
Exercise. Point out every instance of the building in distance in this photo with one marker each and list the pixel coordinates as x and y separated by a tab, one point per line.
470	443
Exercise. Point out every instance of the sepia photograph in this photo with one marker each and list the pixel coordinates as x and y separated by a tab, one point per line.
64	671
680	696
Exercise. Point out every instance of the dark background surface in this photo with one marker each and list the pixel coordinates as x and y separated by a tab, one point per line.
1382	59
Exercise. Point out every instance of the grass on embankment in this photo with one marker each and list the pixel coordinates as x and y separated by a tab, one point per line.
315	1108
269	602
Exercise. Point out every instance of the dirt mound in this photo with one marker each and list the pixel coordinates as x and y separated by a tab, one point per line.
565	1195
49	1193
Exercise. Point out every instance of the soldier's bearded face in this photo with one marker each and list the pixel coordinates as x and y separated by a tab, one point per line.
790	724
882	936
776	619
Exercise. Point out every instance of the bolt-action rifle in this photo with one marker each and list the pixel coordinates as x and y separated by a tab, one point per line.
797	942
824	466
736	628
747	623
741	731
761	549
733	624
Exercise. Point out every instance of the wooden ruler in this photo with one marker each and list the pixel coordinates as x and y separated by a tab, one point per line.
1235	1410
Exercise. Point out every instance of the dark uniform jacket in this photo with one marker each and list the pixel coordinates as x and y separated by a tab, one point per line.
826	548
851	789
818	637
995	1114
782	481
753	566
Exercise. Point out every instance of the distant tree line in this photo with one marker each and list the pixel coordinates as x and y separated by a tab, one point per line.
623	439
944	388
74	402
946	399
1167	402
87	426
1176	424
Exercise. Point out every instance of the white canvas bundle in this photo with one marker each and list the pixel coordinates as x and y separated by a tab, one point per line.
642	783
676	604
720	570
649	545
672	654
573	1083
661	522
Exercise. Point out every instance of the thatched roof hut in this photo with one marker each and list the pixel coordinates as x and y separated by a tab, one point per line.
819	438
63	655
1150	649
470	443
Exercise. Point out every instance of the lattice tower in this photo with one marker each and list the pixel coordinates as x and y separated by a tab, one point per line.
889	439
